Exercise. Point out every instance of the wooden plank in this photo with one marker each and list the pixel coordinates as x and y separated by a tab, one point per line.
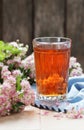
17	21
75	27
49	18
1	23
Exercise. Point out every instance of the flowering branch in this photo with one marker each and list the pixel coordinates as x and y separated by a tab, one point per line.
75	68
15	89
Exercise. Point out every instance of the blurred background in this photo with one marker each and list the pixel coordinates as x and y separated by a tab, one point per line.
27	19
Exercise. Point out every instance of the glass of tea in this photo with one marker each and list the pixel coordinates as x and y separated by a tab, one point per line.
52	56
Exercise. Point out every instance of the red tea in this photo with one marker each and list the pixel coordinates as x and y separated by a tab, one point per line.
51	69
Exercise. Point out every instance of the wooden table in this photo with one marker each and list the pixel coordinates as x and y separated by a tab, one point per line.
35	119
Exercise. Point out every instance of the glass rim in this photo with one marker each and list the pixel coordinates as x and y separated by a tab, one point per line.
37	39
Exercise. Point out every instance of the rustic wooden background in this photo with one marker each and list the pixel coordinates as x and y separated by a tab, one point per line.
26	19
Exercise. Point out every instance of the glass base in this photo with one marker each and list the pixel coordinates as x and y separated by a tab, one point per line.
59	98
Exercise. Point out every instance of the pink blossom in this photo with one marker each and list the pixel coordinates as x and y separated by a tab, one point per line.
45	113
72	61
15	73
8	89
11	80
5	68
16	60
10	62
75	68
28	63
76	72
5	105
5	72
73	114
25	84
28	97
1	64
14	44
15	97
2	99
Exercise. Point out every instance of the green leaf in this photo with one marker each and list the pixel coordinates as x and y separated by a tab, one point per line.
21	95
1	42
1	80
15	50
20	103
6	50
1	45
2	56
11	67
18	80
16	106
12	49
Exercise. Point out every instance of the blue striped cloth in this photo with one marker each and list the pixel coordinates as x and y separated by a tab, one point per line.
75	97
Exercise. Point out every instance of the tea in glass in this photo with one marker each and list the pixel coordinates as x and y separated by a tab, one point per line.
52	56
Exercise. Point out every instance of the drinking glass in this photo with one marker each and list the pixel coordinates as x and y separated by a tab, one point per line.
52	56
